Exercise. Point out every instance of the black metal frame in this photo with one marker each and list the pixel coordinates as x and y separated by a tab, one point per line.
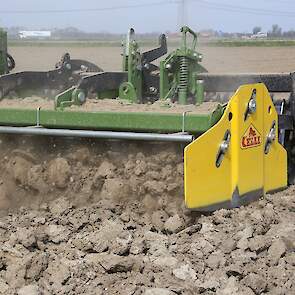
67	73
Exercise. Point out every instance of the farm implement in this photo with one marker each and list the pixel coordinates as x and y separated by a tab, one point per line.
234	152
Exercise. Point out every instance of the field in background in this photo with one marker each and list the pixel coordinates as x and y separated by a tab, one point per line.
252	43
216	59
151	42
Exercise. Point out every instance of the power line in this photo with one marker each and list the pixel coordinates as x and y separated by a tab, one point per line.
206	4
210	5
77	10
281	1
242	9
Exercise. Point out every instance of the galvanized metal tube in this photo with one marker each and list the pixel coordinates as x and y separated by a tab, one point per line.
97	134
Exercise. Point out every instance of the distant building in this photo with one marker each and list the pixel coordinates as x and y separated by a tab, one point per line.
207	34
259	35
34	34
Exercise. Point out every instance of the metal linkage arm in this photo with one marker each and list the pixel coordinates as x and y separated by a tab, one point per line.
101	82
150	56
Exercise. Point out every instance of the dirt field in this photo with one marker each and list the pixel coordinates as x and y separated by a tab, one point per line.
85	217
219	60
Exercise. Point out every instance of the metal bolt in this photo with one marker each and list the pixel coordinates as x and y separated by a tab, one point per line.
84	68
272	134
270	138
168	66
153	90
252	106
82	97
224	146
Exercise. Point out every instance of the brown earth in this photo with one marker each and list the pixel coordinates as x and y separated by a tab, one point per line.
111	105
90	217
108	218
219	60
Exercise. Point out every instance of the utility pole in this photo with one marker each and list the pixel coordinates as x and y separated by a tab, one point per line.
183	16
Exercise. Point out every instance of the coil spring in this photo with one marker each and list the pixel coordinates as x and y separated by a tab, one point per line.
183	75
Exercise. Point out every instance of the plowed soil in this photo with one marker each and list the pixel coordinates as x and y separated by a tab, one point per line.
111	105
94	217
217	60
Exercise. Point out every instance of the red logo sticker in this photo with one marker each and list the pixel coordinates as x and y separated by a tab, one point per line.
251	138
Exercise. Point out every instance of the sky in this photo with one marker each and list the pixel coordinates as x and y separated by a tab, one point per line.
116	16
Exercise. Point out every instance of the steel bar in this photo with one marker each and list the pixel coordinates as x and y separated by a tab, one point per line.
96	134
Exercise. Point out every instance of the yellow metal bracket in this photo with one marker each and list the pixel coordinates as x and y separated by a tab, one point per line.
239	159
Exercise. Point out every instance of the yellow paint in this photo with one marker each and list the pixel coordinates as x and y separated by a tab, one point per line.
246	168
